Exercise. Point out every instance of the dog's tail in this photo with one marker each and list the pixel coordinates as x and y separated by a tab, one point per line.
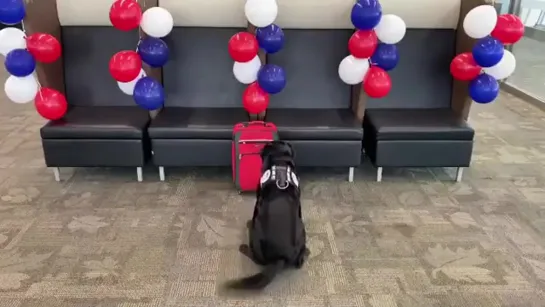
259	280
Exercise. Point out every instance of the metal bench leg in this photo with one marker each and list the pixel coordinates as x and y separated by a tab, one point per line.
57	173
351	174
161	173
459	173
139	175
379	174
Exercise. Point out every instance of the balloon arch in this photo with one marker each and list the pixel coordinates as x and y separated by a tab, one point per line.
21	54
263	80
372	54
372	48
373	51
126	66
488	61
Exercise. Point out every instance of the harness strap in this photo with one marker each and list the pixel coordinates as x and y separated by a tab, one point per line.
282	176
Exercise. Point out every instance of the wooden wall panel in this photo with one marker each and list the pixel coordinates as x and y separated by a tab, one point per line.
461	102
42	17
358	99
156	73
263	57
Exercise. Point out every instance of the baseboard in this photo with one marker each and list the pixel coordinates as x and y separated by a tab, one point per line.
523	95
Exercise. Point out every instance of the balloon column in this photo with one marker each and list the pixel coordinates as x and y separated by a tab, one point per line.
488	61
126	66
244	47
372	48
21	54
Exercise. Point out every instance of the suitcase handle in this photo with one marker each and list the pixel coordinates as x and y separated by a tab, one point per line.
255	141
248	154
255	123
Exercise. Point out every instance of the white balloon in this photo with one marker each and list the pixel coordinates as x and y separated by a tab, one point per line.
128	87
504	68
352	70
21	89
157	22
11	38
480	21
246	73
391	29
261	13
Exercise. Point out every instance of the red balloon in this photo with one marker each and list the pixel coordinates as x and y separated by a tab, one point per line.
377	82
363	43
125	15
125	65
254	99
509	29
44	47
50	104
243	47
464	68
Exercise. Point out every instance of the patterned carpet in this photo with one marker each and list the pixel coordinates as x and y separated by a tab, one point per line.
417	239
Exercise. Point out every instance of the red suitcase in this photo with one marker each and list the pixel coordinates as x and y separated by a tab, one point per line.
249	138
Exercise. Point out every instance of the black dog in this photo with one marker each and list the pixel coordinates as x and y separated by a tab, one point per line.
277	233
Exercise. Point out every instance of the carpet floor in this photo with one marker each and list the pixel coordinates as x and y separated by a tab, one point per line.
99	238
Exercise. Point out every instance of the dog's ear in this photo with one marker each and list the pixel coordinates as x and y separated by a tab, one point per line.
265	156
265	151
292	151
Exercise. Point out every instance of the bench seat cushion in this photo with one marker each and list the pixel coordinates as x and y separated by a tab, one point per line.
316	124
416	124
196	123
98	123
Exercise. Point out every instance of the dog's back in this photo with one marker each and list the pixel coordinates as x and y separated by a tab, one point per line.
280	222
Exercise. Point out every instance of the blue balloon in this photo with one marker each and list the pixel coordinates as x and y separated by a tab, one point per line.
271	78
385	56
12	11
153	51
270	38
484	89
149	94
488	51
20	63
366	14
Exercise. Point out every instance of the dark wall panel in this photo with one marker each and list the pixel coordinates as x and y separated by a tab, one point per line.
199	72
422	78
311	59
87	52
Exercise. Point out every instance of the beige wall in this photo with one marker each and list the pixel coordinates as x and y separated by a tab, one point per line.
327	14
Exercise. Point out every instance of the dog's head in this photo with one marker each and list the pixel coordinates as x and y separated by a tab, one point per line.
278	151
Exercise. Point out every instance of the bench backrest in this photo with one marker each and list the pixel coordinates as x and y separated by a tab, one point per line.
89	41
200	71
316	41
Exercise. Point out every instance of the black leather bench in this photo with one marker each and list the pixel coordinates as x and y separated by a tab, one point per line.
193	136
97	137
321	137
203	101
103	127
417	138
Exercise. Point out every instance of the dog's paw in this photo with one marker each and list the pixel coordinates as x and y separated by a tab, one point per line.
244	249
300	262
302	258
